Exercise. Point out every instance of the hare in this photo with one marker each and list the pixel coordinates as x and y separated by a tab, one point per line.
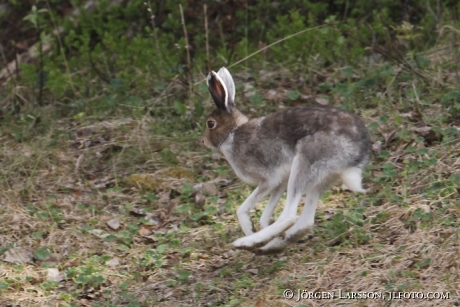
303	149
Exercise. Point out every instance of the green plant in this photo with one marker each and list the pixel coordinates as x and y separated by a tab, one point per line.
89	274
37	20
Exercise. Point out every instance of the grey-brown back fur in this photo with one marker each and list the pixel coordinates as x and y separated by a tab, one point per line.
262	144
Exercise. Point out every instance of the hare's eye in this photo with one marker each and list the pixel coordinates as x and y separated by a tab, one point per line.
211	124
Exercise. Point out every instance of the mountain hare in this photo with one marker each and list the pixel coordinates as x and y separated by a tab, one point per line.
302	149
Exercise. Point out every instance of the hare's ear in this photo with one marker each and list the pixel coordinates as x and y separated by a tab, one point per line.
218	84
226	77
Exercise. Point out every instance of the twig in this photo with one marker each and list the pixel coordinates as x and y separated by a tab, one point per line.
206	33
400	59
41	81
101	75
6	63
435	16
58	32
152	21
187	48
277	42
418	104
78	163
271	45
16	61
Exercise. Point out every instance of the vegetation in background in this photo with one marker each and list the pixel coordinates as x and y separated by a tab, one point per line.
109	199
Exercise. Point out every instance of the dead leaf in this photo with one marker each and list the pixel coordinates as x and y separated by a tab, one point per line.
248	90
75	188
53	274
164	197
114	223
271	95
156	218
85	302
210	188
198	199
113	262
407	115
433	136
208	173
428	134
99	233
389	137
104	182
18	255
421	130
52	260
322	101
157	147
377	147
137	212
145	230
172	205
228	254
172	259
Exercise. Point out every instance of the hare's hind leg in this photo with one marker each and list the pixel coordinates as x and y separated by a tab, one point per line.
351	177
272	202
302	226
299	177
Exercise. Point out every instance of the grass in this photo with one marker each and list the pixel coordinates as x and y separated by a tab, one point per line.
131	209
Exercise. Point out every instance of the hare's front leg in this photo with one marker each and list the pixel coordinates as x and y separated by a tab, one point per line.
243	211
272	202
299	177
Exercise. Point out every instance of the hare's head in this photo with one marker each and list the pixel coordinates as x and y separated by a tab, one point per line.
226	118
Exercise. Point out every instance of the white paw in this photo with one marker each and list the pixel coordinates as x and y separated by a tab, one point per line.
275	246
261	238
248	242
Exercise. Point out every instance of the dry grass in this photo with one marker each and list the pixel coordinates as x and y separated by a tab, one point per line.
62	190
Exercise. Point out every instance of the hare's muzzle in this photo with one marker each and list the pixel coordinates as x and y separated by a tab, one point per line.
206	142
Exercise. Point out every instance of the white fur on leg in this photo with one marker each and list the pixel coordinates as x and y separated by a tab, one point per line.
307	217
286	220
296	184
262	237
298	230
243	211
272	202
352	178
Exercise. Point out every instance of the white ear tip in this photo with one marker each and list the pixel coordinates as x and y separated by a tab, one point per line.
226	77
223	72
223	69
208	78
